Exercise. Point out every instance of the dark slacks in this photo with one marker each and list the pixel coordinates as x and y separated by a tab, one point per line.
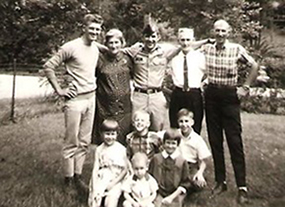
222	108
191	100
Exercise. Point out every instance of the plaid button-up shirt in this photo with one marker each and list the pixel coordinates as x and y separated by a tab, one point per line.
222	64
148	144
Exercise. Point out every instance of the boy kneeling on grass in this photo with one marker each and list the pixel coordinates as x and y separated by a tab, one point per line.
171	172
140	189
194	149
110	168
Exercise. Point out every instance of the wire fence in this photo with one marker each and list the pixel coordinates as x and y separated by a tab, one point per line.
31	69
15	69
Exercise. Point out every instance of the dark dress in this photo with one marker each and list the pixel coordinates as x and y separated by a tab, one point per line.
113	99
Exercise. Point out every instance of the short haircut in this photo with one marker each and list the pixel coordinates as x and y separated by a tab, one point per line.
172	134
109	125
184	112
141	113
139	156
115	33
223	22
186	32
92	18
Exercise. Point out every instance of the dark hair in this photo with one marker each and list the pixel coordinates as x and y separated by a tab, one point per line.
92	18
172	134
184	112
109	125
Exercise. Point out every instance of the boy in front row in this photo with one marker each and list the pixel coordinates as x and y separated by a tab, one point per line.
141	139
193	148
171	172
140	189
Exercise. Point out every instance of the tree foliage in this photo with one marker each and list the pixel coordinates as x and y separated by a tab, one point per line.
31	29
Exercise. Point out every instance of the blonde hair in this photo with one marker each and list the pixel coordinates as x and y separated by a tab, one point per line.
115	33
138	156
141	113
92	18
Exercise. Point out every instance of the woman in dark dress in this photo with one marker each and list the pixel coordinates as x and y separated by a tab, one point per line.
113	87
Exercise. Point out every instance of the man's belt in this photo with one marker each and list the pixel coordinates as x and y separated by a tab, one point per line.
148	91
212	85
188	89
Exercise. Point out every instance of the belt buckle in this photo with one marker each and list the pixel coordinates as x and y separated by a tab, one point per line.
186	90
148	91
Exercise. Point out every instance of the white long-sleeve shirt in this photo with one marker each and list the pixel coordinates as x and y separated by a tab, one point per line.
196	69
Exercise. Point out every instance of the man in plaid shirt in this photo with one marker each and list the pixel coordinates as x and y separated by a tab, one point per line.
222	105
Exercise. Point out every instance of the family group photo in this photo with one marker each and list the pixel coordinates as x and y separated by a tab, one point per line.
139	103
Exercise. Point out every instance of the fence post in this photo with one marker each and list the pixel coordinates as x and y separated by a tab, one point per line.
12	118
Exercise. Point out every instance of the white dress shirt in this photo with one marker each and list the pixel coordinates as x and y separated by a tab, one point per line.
193	148
196	69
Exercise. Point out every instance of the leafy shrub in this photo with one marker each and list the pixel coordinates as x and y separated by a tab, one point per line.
265	101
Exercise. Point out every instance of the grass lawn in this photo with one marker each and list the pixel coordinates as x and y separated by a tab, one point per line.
31	173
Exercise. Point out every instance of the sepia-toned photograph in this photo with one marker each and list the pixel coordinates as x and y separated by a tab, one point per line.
142	103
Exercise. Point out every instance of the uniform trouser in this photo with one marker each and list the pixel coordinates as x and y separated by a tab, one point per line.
155	105
223	114
79	116
191	100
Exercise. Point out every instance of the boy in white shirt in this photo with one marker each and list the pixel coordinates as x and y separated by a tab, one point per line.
187	71
193	148
140	189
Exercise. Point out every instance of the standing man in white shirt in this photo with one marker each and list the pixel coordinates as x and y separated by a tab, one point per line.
187	70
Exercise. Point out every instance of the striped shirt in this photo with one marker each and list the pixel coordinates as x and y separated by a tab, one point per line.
222	64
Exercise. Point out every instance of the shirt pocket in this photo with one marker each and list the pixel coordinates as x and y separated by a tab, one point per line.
231	68
159	61
140	60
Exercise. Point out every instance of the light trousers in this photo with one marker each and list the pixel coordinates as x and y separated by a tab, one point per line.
79	117
155	104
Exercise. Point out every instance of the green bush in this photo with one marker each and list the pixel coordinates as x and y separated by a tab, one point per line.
274	103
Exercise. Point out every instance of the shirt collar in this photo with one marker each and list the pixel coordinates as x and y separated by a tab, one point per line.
173	156
135	178
157	50
189	51
189	136
117	57
224	46
139	136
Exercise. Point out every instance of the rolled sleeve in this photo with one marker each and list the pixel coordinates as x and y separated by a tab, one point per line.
184	191
243	54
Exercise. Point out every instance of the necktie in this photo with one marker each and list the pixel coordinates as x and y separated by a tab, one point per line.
185	74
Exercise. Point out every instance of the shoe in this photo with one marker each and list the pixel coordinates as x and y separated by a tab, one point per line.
79	183
242	197
219	188
68	181
69	188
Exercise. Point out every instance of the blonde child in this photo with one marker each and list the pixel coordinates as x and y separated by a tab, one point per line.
140	189
141	139
110	168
